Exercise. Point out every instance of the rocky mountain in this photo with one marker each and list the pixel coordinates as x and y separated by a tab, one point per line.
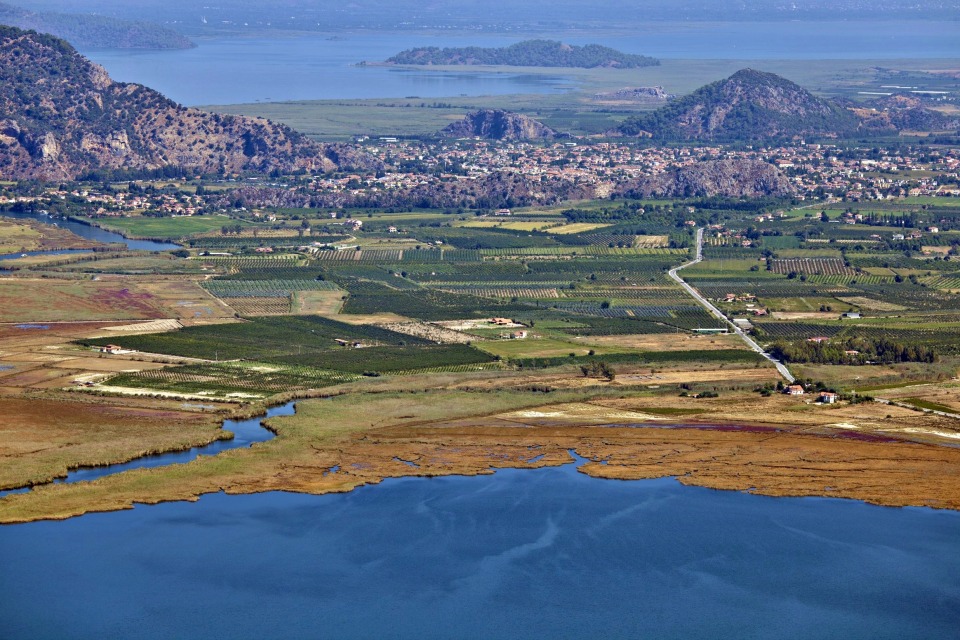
496	124
62	117
728	178
529	53
749	105
92	31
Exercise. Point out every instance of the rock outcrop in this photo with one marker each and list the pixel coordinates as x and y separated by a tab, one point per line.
498	125
728	178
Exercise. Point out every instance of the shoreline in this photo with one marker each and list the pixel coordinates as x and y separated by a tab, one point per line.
746	457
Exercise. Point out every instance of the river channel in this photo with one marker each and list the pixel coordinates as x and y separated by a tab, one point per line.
245	433
89	232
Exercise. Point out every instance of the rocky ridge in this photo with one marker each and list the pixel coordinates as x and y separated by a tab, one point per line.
736	178
61	117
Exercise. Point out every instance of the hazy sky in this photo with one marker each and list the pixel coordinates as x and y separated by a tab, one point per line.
487	14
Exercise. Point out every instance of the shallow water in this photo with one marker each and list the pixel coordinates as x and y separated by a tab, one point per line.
519	554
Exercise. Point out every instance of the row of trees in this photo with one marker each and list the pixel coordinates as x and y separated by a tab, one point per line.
851	351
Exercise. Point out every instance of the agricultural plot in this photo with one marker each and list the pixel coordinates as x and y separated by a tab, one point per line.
264	288
261	338
528	293
372	298
391	359
185	300
317	302
167	227
812	266
252	307
236	379
48	300
579	227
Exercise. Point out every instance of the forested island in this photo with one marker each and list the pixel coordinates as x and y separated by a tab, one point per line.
529	53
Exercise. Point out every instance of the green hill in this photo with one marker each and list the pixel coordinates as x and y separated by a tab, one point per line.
529	53
749	105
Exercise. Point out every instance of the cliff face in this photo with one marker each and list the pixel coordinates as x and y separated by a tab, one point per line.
728	178
749	105
498	125
62	116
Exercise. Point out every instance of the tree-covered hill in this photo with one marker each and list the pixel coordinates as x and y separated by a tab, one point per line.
529	53
749	105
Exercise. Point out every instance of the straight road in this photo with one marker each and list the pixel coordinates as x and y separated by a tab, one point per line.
674	275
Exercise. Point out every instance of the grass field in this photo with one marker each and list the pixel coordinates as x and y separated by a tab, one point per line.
169	227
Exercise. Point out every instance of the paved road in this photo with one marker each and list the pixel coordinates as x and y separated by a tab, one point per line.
673	273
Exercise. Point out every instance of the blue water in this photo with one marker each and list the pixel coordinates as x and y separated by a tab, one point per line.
21	254
546	553
245	433
88	232
225	70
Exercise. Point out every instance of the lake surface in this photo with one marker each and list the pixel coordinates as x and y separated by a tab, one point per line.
227	70
88	232
520	554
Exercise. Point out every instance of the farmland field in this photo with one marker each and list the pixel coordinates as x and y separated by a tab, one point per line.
37	300
167	227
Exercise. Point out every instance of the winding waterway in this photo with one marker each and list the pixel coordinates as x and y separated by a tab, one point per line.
245	433
89	232
519	554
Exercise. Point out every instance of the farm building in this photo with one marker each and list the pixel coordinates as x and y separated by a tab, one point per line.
794	390
827	397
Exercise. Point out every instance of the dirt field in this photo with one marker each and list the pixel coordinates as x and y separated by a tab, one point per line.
186	299
325	303
665	342
430	331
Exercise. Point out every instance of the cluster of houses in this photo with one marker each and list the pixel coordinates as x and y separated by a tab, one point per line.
824	397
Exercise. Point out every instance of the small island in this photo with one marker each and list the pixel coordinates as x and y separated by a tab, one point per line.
529	53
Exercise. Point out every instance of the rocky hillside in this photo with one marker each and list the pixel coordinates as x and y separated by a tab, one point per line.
903	113
498	125
62	117
90	31
749	105
727	178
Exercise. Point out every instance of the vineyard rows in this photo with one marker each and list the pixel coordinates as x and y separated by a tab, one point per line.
254	307
809	266
516	292
264	288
